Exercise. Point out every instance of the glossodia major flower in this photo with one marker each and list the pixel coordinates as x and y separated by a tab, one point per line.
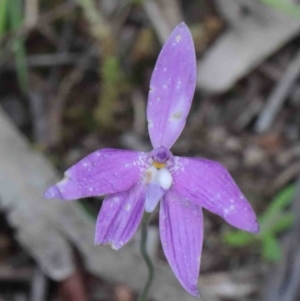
134	182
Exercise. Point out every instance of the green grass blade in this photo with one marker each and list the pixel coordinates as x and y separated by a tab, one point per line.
279	203
284	6
16	21
3	16
21	65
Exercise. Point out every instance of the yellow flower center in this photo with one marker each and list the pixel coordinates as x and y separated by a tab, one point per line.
158	165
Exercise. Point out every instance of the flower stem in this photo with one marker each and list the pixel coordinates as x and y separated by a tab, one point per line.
146	257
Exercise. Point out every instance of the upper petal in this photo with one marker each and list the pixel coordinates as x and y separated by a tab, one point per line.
181	231
120	216
172	88
102	172
210	185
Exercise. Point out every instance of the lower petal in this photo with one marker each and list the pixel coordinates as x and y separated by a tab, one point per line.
120	216
181	231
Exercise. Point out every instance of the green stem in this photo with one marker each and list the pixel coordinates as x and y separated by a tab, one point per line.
146	257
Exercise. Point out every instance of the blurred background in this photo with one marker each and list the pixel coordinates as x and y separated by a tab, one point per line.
74	77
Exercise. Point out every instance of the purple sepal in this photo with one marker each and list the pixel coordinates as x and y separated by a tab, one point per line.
120	216
105	171
172	88
181	232
209	184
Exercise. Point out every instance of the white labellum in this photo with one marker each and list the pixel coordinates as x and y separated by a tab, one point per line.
164	178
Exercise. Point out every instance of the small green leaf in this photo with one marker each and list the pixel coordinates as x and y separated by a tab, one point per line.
285	222
273	221
238	238
271	248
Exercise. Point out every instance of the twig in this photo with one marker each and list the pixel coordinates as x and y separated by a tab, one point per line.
45	60
250	104
37	100
59	12
99	25
52	60
248	114
278	96
54	78
31	13
65	87
284	177
164	15
138	104
286	155
120	16
8	273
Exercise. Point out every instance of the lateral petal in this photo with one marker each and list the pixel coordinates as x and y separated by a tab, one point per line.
105	171
209	184
172	88
120	216
181	232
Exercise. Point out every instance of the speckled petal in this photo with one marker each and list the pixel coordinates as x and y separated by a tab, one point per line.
120	216
181	232
172	88
102	172
210	185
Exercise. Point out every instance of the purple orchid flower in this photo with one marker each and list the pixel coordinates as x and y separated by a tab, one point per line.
136	181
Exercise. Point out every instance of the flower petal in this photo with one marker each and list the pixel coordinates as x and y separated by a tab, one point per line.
172	88
181	232
153	195
210	185
120	216
102	172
